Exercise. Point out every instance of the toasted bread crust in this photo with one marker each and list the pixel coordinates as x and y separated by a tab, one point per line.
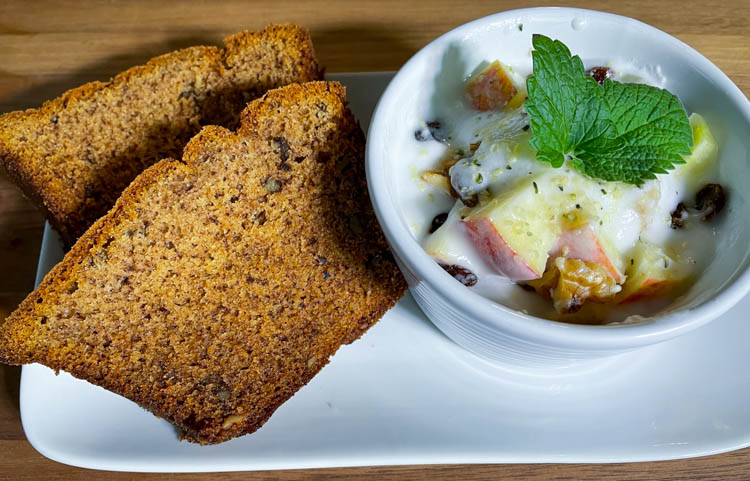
75	154
220	284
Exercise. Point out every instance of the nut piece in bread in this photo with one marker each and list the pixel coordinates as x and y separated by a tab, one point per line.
220	284
75	154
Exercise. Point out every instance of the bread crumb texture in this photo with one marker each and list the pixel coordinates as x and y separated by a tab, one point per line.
220	284
74	155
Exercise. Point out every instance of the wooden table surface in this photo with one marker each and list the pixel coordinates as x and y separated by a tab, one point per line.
49	47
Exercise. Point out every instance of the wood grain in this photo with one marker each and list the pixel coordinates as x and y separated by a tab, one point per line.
48	47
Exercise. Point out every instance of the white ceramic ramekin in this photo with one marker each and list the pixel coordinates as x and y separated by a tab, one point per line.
498	332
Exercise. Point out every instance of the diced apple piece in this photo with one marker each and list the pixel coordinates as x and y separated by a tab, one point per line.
651	287
651	273
703	156
494	88
515	230
581	243
496	251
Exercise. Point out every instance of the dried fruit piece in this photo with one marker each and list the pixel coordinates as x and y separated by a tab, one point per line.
569	283
461	274
710	200
436	130
470	201
438	221
600	74
284	148
431	129
679	216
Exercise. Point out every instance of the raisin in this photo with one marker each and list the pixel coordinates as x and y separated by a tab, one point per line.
461	274
679	214
283	148
438	221
435	129
453	192
710	200
471	201
600	74
432	129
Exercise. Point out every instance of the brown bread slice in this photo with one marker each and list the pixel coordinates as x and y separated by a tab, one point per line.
74	155
221	284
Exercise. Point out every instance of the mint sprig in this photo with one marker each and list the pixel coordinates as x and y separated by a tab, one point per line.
615	132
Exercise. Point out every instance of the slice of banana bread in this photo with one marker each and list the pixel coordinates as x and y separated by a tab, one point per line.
75	154
220	284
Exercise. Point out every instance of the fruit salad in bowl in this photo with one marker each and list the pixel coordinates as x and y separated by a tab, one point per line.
591	187
558	164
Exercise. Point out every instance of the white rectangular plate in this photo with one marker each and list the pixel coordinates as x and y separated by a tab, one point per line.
405	394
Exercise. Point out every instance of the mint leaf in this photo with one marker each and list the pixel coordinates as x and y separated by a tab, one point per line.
561	101
618	132
649	133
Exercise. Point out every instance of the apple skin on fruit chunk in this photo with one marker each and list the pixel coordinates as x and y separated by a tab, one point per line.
497	252
496	87
515	231
651	273
549	214
581	243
